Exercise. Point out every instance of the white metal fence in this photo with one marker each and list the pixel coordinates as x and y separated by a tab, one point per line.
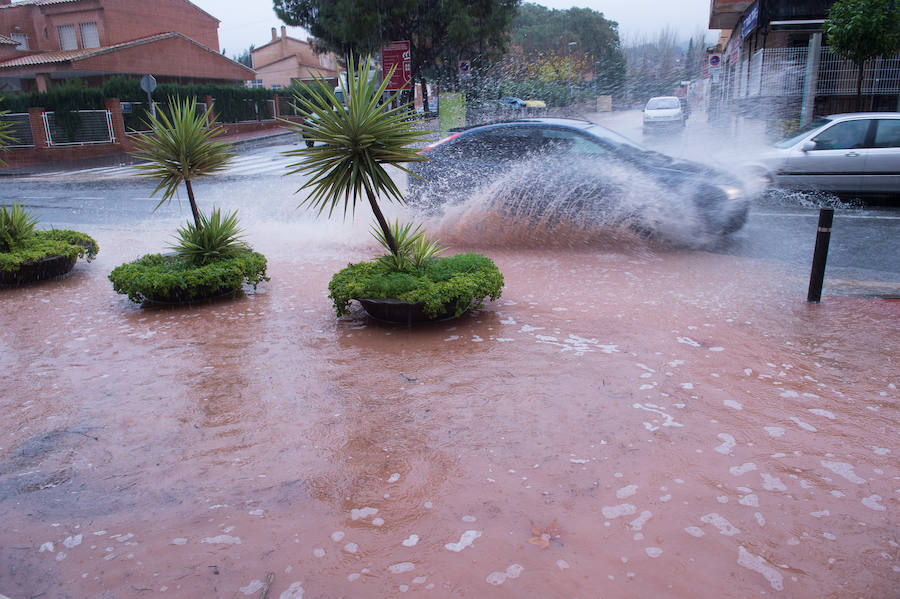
91	127
21	129
782	72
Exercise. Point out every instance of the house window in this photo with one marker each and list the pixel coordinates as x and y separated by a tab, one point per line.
67	39
90	38
254	83
21	39
276	86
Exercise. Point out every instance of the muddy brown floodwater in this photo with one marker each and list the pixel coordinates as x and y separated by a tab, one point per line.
626	421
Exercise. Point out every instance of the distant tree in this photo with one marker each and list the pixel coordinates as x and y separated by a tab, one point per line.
540	31
440	32
245	57
654	66
860	30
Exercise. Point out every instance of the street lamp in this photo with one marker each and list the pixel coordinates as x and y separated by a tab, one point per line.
569	53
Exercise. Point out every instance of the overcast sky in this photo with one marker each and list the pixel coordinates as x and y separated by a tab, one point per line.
245	22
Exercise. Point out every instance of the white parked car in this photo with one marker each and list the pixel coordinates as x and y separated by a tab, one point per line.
841	153
662	114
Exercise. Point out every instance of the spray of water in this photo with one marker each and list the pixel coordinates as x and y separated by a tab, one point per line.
572	203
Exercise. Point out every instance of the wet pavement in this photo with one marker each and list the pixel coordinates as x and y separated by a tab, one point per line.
626	421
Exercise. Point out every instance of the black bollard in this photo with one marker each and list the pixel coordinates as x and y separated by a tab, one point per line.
820	256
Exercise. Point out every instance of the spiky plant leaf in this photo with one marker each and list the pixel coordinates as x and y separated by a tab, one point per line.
6	137
16	225
216	238
181	147
355	141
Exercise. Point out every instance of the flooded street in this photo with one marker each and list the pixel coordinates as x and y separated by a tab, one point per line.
626	421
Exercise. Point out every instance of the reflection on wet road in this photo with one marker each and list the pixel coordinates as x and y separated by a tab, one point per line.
626	421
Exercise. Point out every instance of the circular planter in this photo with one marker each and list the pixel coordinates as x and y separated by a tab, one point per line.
399	312
180	297
47	268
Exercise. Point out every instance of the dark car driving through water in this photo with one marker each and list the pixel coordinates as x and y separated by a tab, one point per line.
579	164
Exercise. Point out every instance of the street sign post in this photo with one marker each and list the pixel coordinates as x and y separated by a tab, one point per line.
396	54
148	84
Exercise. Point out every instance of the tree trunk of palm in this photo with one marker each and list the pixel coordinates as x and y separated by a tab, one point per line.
194	210
424	95
376	210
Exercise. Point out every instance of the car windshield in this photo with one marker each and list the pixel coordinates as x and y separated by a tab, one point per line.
798	134
626	145
662	103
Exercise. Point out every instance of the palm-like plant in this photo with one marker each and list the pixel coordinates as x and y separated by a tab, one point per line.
180	148
6	137
356	142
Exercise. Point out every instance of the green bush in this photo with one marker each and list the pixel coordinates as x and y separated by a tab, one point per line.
168	278
458	282
46	244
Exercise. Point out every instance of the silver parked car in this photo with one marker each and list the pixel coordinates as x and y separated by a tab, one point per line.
841	153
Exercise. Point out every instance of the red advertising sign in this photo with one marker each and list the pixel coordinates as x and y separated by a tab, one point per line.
396	54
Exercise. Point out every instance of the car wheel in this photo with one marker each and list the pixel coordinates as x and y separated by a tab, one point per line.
309	143
736	222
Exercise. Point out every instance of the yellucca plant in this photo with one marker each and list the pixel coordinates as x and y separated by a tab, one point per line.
16	225
355	143
6	137
180	148
216	238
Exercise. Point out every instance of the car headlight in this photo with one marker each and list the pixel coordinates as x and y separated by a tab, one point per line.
731	192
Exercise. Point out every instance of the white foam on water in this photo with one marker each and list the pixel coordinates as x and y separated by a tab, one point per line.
351	547
880	450
871	502
469	519
625	509
823	413
72	542
361	513
419	579
465	540
411	541
789	394
717	349
688	341
562	564
721	523
394	477
256	512
727	445
222	540
687	386
803	425
353	576
319	552
625	492
337	536
638	523
735	405
843	469
179	541
668	420
579	460
759	519
772	483
653	551
743	468
251	588
295	591
694	531
750	500
401	568
512	572
820	514
760	565
377	521
774	431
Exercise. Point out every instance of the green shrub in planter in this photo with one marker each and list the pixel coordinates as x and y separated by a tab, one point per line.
453	284
210	257
172	279
28	255
355	142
